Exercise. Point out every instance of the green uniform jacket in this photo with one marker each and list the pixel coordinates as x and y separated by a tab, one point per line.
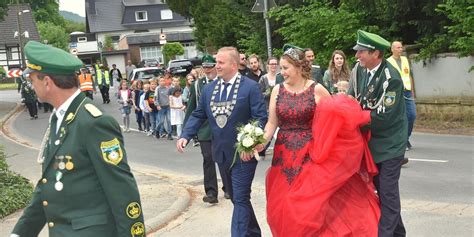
389	127
204	133
99	196
27	92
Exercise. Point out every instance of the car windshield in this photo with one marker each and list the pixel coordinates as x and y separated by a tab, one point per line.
148	74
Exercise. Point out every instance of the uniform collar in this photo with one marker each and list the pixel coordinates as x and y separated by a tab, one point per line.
61	110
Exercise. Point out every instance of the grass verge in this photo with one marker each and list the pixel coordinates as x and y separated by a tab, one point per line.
16	191
8	86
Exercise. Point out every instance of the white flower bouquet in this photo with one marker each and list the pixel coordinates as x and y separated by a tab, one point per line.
249	136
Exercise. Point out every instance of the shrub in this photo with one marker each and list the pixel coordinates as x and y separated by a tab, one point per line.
15	190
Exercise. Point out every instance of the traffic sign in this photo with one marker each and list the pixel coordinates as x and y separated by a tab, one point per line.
259	5
14	73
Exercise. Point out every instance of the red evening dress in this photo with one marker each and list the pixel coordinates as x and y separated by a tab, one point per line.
320	181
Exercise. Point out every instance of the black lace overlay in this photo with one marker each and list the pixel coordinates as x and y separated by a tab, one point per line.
295	114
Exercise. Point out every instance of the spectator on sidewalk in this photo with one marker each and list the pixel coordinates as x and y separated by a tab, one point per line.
402	64
144	109
137	90
177	110
255	71
162	103
115	73
337	71
124	98
316	70
243	69
129	69
86	186
152	109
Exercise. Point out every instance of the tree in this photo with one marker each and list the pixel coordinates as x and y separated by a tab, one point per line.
170	50
55	35
71	26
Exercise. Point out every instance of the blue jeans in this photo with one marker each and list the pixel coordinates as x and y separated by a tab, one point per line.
164	120
153	121
411	111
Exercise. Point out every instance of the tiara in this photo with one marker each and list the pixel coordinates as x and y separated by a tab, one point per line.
293	53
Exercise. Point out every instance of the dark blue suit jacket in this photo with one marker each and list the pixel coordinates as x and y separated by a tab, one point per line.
249	106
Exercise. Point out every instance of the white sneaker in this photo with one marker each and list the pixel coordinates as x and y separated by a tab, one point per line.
149	133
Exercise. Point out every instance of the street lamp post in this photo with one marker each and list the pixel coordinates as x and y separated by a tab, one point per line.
20	35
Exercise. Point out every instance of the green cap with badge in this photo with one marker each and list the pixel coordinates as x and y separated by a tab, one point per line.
370	41
47	59
208	61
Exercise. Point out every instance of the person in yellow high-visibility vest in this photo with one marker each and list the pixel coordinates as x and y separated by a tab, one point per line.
86	83
403	66
103	82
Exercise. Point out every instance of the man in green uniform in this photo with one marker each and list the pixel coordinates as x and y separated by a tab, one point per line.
86	187
204	133
377	86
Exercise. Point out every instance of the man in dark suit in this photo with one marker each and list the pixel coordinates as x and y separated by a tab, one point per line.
204	133
226	103
86	186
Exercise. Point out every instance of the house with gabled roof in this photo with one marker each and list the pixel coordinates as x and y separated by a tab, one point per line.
137	28
19	18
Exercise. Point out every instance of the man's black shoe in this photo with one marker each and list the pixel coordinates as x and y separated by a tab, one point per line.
404	161
226	195
210	199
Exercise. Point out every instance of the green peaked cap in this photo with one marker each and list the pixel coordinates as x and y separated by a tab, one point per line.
208	61
370	41
47	59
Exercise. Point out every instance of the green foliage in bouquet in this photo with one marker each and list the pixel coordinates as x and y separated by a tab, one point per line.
248	137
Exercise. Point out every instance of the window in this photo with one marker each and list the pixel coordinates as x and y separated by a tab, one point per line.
141	16
81	39
166	15
152	52
115	38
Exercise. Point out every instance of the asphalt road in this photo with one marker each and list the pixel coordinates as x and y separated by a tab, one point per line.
436	185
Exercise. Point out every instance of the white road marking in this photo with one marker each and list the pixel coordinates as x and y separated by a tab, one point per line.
427	160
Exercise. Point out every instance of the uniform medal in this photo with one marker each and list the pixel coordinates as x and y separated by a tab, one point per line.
69	164
58	185
61	164
221	120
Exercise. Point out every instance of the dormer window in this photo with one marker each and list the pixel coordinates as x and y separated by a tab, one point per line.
141	16
81	39
166	15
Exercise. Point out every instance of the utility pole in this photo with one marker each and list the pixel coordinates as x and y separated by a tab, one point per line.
267	27
20	41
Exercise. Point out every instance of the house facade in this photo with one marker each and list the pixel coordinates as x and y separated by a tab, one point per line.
18	22
137	30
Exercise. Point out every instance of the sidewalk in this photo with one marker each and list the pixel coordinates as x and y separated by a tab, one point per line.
162	201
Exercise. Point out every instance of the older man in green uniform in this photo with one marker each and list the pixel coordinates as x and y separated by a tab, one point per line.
204	133
379	88
86	187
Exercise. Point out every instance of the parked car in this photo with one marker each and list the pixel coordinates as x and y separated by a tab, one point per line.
180	67
146	73
149	63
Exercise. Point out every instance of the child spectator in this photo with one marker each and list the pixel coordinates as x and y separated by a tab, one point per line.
342	87
124	97
144	108
152	108
162	102
177	110
137	90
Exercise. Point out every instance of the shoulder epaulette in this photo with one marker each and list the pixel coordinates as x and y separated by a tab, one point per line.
93	110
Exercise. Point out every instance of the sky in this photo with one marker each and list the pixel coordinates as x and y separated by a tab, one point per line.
76	6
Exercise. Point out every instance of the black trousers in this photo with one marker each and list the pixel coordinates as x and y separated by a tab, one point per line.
47	107
32	109
209	168
390	224
89	94
104	91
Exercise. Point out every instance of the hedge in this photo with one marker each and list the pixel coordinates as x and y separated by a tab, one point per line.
16	191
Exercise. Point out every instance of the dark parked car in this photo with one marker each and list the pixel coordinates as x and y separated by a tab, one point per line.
149	63
180	67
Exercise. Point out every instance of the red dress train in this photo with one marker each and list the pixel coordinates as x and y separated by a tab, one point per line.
320	182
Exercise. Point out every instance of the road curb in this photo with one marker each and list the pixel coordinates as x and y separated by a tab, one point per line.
174	211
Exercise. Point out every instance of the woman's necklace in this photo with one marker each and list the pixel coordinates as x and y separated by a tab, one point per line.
295	92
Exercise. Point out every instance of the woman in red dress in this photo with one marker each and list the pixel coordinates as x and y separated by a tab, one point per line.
320	181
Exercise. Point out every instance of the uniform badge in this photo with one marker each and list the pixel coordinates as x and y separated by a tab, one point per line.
389	99
111	151
138	229
69	117
94	111
371	88
133	210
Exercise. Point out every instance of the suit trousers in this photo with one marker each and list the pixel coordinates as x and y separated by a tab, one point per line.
244	221
386	182
209	169
32	108
104	91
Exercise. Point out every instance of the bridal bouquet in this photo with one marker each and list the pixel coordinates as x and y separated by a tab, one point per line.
249	136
